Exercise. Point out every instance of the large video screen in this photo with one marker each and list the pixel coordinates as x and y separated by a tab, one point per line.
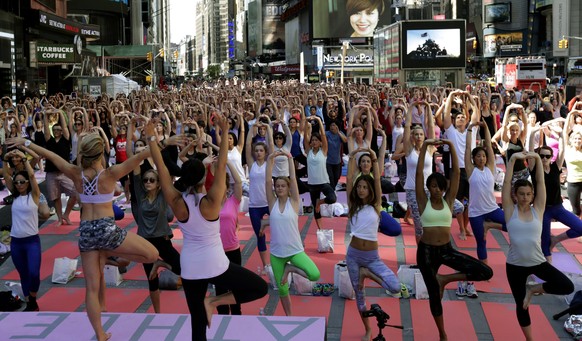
498	13
433	44
349	18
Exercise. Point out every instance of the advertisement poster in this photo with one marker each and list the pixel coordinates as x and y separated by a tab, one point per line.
499	44
273	27
349	18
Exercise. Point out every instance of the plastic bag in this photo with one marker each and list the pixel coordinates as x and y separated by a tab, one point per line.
112	275
420	291
324	240
302	285
64	270
406	275
343	283
573	325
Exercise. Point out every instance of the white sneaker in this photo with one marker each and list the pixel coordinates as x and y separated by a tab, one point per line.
461	289
471	291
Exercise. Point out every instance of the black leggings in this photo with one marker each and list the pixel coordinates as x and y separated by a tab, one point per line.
315	192
244	284
555	283
429	259
168	254
574	190
235	257
334	172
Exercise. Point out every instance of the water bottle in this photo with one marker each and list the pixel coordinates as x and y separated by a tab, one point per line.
261	311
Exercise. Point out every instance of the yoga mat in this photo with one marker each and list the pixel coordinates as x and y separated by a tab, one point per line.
121	300
326	264
51	228
62	299
504	326
565	262
408	235
471	242
68	249
171	302
307	306
353	329
458	324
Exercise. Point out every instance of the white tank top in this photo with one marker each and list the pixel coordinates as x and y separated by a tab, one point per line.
235	158
257	192
481	198
24	217
281	165
525	240
396	132
316	168
202	254
285	237
364	224
411	162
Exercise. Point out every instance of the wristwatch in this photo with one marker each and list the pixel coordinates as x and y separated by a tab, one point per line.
27	143
153	138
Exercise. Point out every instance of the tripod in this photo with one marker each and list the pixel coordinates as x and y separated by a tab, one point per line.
381	318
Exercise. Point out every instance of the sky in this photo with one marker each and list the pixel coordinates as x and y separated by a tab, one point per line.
181	19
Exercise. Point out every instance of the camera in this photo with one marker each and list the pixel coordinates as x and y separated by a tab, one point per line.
376	311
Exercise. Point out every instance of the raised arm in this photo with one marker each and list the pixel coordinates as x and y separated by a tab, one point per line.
63	165
249	143
540	190
455	175
172	196
237	190
421	197
269	179
210	208
64	125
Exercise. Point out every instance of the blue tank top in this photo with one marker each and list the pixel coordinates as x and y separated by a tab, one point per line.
295	146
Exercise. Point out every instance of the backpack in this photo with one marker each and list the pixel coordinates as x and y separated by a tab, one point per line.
9	302
576	303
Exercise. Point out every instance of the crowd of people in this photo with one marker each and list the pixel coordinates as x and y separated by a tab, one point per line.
196	154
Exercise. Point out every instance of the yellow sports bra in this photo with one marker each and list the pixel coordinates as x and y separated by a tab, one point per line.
432	218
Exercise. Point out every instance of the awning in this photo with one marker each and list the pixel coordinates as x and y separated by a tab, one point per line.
128	51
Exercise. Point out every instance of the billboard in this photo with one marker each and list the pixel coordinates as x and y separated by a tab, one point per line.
433	44
292	41
349	18
254	29
273	27
503	44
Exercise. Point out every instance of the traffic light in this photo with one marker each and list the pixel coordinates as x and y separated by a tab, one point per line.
561	44
474	44
176	54
161	52
149	79
149	56
565	43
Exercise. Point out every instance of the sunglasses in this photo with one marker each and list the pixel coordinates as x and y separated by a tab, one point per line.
150	180
20	182
545	156
57	129
278	137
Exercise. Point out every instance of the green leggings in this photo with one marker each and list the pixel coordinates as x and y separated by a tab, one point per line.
300	260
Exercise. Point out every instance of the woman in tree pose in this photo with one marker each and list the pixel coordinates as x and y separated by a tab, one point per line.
203	259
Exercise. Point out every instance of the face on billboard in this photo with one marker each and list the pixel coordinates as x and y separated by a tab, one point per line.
349	18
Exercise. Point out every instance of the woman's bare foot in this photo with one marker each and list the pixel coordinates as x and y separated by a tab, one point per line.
553	242
440	279
364	272
285	275
367	336
209	309
154	272
66	220
486	227
409	221
469	233
104	337
317	207
529	292
462	236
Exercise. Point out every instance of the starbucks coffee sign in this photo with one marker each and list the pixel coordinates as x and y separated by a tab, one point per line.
55	53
